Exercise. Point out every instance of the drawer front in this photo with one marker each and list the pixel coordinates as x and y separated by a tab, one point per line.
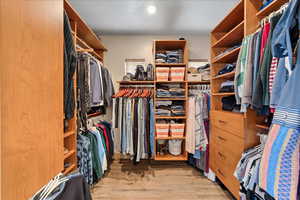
231	122
227	142
231	183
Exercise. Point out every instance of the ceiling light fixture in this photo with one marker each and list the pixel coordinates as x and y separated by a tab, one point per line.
151	9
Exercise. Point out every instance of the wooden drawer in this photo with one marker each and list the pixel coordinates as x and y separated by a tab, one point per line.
231	122
227	142
231	183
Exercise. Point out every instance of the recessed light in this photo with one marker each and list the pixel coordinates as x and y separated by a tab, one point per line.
151	9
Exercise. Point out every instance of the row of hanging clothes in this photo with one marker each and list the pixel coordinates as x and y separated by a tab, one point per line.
95	150
61	187
267	76
197	128
133	116
94	87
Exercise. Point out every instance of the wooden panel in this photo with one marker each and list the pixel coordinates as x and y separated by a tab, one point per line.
228	144
231	122
31	51
275	5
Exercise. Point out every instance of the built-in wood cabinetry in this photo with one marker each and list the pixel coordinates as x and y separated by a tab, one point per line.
232	133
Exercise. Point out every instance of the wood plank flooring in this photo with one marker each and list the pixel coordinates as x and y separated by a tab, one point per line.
158	181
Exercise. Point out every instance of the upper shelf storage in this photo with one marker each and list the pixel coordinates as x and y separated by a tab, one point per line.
273	6
235	17
83	31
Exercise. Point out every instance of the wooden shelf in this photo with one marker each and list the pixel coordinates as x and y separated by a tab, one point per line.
170	81
135	82
170	44
227	75
228	57
275	5
94	114
170	99
170	64
223	94
69	133
69	169
170	117
235	17
170	157
170	138
69	154
84	31
198	82
231	38
262	126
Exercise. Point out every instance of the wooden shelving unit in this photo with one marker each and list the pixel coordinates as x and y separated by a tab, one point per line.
227	57
84	37
262	126
159	45
225	76
135	82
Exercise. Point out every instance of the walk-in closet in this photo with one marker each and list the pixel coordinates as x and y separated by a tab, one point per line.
150	99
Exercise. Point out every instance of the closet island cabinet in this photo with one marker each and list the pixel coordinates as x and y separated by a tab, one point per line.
231	132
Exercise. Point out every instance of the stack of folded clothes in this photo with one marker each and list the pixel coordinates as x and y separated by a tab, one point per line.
174	56
170	90
227	86
169	108
177	110
227	51
160	58
227	68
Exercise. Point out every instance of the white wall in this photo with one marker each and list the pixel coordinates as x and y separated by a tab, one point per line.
121	47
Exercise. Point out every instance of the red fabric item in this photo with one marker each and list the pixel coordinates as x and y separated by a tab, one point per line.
105	135
264	39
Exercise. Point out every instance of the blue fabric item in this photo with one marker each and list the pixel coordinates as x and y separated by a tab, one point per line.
280	79
256	62
124	127
152	128
197	154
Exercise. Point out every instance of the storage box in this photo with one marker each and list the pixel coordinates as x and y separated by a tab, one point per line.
194	77
177	130
162	130
162	73
177	73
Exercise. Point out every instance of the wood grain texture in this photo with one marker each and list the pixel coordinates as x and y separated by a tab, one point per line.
31	53
158	181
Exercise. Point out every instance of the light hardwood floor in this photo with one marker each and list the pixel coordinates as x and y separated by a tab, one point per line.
158	181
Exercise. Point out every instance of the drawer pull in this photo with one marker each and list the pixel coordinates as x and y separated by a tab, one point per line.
222	122
221	138
221	155
221	172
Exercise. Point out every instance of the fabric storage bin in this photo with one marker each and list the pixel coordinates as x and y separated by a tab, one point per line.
175	147
162	130
194	77
177	73
177	130
162	73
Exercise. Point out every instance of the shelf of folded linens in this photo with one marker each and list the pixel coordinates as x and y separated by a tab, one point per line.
170	117
170	138
232	37
169	157
223	94
227	75
231	56
262	126
69	169
170	64
171	98
135	82
273	6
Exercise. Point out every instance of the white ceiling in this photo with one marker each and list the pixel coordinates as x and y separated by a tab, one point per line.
171	17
